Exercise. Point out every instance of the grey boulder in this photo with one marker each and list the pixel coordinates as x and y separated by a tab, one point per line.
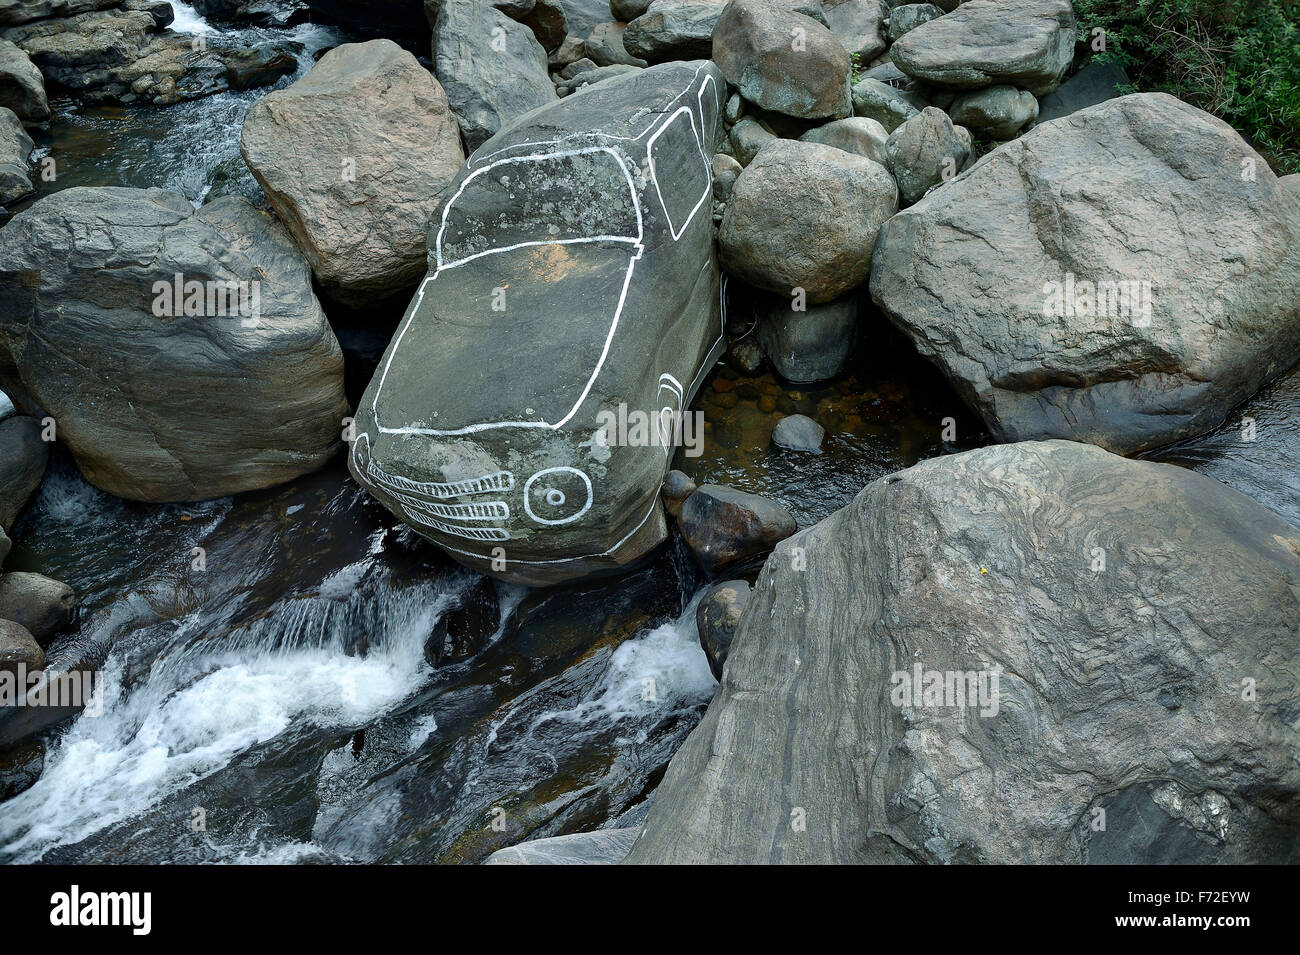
798	433
859	25
573	301
782	61
602	847
1117	276
22	89
674	30
808	345
924	152
23	456
605	46
15	147
1026	43
1292	184
491	67
19	649
998	112
883	103
1139	620
357	187
41	605
717	616
906	17
806	216
158	401
857	134
724	527
747	137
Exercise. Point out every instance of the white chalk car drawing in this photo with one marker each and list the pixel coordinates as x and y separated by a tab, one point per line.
470	517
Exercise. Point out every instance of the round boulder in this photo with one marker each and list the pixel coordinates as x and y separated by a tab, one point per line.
804	215
782	60
723	526
798	432
358	185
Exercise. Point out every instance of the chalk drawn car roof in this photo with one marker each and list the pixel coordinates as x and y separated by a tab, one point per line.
454	246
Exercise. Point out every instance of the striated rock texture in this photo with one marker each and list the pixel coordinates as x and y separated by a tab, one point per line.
358	187
1026	43
521	416
242	391
1121	689
1123	276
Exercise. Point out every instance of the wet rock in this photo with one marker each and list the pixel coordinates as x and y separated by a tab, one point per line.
20	768
923	152
805	216
716	617
859	25
907	17
998	112
488	87
1128	323
747	137
23	456
674	30
19	649
464	630
360	214
269	13
22	89
1094	84
605	46
724	527
526	475
806	77
857	134
811	344
725	171
677	487
13	12
245	391
956	566
121	56
39	604
15	147
602	847
1025	43
798	433
885	104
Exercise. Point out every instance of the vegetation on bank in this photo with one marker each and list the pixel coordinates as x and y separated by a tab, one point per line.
1237	59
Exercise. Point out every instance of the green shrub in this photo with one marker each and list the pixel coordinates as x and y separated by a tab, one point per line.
1238	59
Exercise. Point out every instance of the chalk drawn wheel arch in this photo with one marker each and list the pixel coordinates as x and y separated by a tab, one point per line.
564	495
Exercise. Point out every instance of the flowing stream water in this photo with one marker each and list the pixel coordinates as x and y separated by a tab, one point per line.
268	698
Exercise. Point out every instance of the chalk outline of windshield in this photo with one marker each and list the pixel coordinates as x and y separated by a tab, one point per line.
636	243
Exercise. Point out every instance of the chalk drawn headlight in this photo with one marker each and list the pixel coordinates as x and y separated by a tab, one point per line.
557	496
